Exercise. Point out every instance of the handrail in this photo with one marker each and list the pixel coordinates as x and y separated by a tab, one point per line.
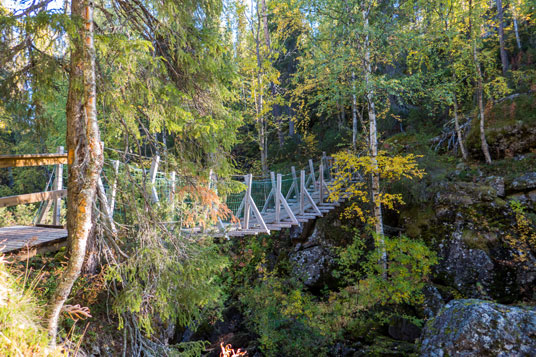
52	197
26	160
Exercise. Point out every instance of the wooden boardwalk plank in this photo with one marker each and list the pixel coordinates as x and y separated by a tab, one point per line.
20	239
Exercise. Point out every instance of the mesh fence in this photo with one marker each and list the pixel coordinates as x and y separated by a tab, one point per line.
132	178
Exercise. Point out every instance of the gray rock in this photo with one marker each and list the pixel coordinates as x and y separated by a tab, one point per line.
471	270
311	265
497	183
312	260
467	193
433	301
296	231
524	183
480	328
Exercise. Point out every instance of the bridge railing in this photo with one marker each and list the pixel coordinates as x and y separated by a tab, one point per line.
51	198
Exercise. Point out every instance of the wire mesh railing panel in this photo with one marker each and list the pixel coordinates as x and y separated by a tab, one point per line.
233	202
131	179
260	192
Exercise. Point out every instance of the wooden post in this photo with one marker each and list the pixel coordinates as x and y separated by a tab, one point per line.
282	201
302	192
295	186
58	185
173	179
304	195
327	166
247	205
213	186
113	188
312	169
278	200
152	176
48	203
321	183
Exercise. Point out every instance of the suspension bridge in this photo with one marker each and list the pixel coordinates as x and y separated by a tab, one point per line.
260	206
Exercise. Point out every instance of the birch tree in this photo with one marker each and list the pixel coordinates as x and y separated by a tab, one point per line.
473	33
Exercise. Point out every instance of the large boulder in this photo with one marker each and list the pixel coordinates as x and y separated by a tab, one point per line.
313	260
468	268
480	328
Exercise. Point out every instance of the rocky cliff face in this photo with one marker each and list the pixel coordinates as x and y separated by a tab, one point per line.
475	230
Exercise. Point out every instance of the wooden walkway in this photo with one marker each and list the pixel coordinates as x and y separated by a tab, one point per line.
27	241
306	200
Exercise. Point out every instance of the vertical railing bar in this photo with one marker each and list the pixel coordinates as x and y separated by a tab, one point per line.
58	185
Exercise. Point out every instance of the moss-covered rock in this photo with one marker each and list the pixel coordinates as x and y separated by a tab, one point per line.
480	328
510	128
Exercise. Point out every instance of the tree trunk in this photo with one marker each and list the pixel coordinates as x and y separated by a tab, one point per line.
516	30
458	130
265	24
290	121
479	89
373	148
504	57
275	112
354	114
259	106
85	156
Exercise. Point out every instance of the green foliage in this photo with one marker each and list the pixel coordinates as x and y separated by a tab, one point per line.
18	215
523	238
187	349
285	318
408	267
163	284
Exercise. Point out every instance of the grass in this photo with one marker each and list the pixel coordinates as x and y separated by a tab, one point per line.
21	332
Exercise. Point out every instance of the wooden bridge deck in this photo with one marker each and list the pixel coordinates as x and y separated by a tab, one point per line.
30	240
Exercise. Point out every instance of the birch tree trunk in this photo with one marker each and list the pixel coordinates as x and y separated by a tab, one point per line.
516	30
259	108
458	130
504	56
275	110
85	155
354	114
479	89
373	147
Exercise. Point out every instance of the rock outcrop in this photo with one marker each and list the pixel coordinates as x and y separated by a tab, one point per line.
472	227
480	328
312	260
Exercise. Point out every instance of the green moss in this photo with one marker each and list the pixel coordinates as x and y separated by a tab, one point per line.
477	240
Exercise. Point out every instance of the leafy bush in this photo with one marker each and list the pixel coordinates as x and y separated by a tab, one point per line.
409	264
285	318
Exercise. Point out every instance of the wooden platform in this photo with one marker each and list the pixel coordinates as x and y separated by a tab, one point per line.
30	240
